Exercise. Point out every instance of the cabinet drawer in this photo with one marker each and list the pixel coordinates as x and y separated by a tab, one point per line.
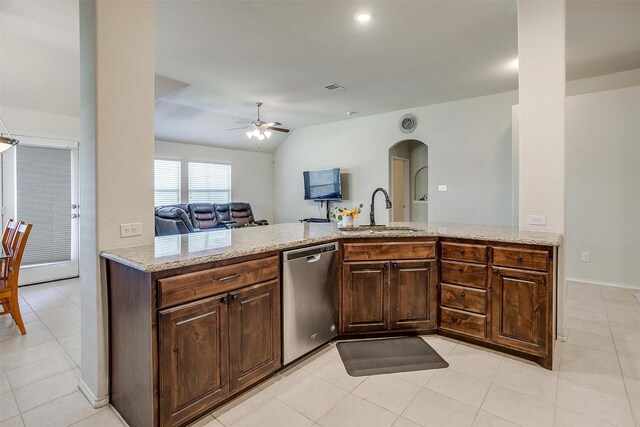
463	298
462	322
521	258
193	286
388	251
460	273
464	252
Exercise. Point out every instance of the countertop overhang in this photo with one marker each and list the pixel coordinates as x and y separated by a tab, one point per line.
169	252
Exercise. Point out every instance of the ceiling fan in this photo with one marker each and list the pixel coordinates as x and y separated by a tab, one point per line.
259	128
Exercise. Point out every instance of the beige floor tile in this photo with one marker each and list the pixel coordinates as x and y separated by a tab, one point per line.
624	304
589	327
8	406
618	320
635	408
567	418
71	342
518	407
485	419
60	412
46	390
597	379
585	298
241	406
14	332
528	379
418	378
39	370
105	418
335	373
30	355
587	316
630	367
43	304
628	349
388	392
403	422
442	345
5	387
7	322
434	409
273	414
589	340
30	340
75	355
69	311
598	308
208	421
590	357
474	362
312	397
626	335
12	422
460	386
353	411
610	292
594	404
62	331
633	388
318	358
285	380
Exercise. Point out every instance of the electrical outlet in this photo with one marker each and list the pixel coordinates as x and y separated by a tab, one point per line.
130	230
442	188
537	220
586	257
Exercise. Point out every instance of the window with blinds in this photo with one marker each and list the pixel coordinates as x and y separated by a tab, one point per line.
167	182
43	198
209	182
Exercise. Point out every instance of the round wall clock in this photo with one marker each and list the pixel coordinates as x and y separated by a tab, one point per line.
408	123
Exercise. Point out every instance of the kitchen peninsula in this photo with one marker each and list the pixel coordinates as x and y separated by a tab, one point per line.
196	319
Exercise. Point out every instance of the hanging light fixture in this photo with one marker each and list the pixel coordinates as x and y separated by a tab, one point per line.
6	141
260	128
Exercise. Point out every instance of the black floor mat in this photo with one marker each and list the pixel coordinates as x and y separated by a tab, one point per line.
388	355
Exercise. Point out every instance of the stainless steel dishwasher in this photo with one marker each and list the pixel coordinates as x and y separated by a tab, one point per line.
309	299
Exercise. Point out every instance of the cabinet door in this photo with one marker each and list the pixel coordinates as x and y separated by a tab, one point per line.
520	313
413	295
365	294
254	333
193	359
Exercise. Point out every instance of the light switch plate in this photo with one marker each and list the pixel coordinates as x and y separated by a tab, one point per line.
586	257
130	230
537	220
442	188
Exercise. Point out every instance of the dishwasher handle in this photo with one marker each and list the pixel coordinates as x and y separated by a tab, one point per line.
310	253
314	258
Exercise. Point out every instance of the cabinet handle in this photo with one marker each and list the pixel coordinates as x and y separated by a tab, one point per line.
223	300
232	296
461	251
233	276
394	265
519	258
462	295
461	270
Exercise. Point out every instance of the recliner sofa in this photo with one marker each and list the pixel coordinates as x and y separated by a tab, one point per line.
194	217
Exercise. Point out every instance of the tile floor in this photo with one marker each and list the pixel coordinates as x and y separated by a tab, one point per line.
596	382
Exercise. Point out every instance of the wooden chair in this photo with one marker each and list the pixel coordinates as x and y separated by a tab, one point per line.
9	283
7	238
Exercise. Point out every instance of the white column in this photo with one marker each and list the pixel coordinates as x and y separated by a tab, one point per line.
541	55
116	158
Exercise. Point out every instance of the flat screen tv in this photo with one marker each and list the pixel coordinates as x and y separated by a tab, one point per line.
322	184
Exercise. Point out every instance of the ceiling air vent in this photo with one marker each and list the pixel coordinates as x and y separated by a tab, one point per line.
334	86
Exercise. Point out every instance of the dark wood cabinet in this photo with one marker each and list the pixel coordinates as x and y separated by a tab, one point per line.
193	359
521	310
254	334
412	294
365	295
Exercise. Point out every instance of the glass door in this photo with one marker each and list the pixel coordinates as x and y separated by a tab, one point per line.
40	187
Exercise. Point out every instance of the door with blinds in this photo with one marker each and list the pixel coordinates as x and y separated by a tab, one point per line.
40	187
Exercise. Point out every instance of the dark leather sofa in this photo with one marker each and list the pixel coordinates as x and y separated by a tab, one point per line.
193	217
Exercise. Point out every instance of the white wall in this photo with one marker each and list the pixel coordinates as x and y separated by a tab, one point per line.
251	172
603	186
469	150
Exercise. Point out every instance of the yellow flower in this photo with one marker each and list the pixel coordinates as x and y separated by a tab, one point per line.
355	213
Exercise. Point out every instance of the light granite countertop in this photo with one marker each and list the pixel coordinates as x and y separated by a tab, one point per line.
184	250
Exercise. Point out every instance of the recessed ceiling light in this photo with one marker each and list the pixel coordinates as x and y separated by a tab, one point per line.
363	17
351	113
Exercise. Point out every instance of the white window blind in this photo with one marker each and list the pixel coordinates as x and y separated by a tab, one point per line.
43	185
209	182
167	182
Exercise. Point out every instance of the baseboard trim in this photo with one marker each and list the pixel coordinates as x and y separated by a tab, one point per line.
599	283
93	400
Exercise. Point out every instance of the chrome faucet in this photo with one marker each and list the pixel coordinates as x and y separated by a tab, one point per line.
372	218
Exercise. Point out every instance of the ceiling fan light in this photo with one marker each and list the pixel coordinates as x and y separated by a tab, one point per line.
260	137
267	133
250	134
256	133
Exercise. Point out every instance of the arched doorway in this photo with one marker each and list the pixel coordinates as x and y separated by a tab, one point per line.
409	181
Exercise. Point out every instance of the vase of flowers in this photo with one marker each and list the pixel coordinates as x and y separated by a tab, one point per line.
345	216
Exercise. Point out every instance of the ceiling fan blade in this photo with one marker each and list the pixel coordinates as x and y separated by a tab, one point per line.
278	129
243	127
243	123
274	124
